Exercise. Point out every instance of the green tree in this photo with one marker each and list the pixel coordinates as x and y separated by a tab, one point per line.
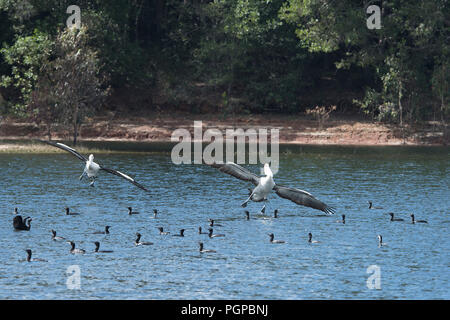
401	54
25	58
71	86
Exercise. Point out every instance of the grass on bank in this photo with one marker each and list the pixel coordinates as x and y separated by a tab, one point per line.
35	147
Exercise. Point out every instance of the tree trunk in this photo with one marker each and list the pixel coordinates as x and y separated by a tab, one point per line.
136	20
159	15
400	107
49	133
75	134
75	126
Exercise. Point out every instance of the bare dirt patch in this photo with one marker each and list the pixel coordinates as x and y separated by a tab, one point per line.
292	129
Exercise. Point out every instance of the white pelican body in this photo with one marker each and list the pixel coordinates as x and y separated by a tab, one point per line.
264	187
91	169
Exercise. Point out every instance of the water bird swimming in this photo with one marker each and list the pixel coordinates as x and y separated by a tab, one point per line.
271	236
92	168
69	213
97	246
275	213
372	207
103	232
181	234
380	241
55	237
413	220
155	213
29	259
247	215
130	211
211	223
211	235
264	185
204	250
341	221
394	219
310	240
137	242
200	231
20	224
161	231
75	251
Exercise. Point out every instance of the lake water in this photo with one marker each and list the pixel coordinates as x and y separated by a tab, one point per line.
415	263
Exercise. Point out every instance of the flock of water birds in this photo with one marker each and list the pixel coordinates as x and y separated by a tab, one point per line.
263	187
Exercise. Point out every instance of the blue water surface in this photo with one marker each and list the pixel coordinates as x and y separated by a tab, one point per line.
415	263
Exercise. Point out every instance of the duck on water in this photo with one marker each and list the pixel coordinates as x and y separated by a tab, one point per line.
211	235
20	224
162	232
29	259
310	240
97	246
394	219
211	223
75	251
70	213
55	237
371	206
271	238
130	211
202	250
181	234
138	242
414	221
103	232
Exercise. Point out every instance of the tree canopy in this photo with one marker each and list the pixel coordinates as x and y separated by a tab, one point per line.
238	55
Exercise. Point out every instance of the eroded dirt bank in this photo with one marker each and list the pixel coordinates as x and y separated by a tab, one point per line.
292	129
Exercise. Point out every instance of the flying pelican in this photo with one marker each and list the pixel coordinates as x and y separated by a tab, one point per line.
91	169
265	184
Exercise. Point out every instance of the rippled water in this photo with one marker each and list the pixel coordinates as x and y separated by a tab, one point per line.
414	264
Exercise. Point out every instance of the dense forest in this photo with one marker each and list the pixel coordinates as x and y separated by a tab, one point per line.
247	56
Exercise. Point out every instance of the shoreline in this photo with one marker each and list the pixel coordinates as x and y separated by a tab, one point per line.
293	130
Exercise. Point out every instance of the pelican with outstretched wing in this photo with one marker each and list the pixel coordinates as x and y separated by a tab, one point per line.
264	185
92	168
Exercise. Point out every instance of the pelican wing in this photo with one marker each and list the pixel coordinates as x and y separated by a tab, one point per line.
303	198
122	175
66	148
237	171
